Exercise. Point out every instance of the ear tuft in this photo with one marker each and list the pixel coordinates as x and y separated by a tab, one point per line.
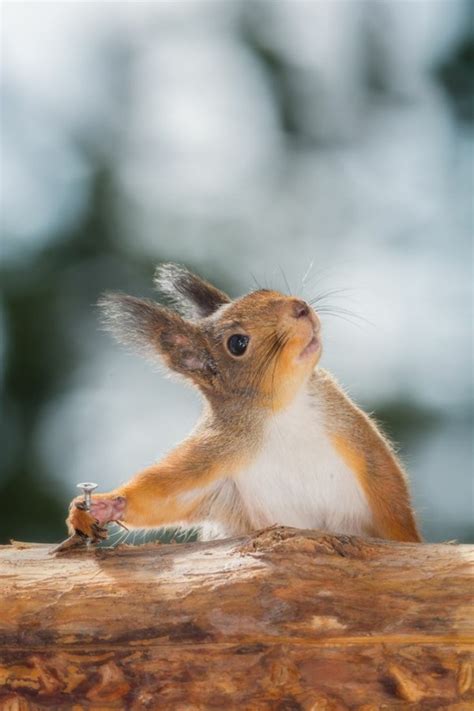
195	298
158	331
133	322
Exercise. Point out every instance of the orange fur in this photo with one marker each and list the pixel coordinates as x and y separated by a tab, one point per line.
385	489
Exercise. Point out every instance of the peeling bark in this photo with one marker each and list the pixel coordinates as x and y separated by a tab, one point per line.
283	619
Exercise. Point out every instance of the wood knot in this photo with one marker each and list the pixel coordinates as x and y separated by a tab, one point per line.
294	540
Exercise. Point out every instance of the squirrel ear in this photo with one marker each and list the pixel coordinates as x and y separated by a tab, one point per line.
156	330
192	296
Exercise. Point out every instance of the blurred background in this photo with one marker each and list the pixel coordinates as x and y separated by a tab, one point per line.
308	146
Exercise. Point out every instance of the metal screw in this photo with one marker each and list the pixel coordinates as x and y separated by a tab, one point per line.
87	489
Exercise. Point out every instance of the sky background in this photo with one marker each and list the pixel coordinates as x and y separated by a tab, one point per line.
323	145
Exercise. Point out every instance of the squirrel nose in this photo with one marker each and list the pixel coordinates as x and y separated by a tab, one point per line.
300	309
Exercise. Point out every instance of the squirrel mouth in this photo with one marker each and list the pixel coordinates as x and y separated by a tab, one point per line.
312	347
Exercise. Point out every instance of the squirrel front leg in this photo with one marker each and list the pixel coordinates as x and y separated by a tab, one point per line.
163	494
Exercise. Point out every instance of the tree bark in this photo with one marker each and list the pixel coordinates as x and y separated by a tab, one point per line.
283	619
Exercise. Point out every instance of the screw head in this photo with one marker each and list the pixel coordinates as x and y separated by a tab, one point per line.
87	486
87	489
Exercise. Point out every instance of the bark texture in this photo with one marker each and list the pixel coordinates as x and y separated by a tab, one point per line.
284	619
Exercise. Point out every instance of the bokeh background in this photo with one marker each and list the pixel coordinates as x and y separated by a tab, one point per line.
311	146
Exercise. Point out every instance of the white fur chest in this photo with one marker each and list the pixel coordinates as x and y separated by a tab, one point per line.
298	478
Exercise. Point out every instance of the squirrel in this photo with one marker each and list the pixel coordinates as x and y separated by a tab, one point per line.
278	442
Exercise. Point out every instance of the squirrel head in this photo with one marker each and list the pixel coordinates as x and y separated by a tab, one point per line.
259	348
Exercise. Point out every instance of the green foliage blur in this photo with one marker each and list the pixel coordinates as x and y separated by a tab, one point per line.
45	292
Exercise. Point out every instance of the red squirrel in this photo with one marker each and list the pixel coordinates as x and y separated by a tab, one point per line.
278	442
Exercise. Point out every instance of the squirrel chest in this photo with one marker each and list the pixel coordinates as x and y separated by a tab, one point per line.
297	477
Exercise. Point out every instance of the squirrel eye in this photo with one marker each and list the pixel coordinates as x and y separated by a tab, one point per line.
237	344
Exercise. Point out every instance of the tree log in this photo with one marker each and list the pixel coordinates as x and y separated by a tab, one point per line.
283	619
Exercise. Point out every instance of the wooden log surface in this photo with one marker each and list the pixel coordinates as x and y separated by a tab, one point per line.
283	619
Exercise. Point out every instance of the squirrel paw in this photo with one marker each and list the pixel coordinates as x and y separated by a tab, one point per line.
90	524
105	510
84	524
